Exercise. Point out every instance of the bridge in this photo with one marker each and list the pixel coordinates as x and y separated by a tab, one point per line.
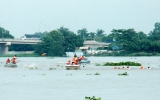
4	43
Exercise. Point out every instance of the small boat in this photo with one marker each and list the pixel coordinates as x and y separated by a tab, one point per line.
84	61
70	67
10	65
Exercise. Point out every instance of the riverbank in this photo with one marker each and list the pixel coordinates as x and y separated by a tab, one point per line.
21	55
71	54
126	54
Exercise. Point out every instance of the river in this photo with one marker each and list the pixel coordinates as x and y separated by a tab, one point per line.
40	83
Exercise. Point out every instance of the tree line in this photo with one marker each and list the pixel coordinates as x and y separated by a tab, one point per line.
57	42
131	41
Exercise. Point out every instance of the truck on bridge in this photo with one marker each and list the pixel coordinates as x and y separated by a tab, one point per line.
30	37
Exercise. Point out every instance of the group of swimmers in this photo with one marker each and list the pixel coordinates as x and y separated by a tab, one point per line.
13	60
75	60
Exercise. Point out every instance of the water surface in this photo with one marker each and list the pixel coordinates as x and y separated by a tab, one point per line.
23	83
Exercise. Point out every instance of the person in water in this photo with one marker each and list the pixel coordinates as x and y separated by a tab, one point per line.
7	61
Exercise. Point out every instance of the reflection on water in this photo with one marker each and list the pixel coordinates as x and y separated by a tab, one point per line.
33	80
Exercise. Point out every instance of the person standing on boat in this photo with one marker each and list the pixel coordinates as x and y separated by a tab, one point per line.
7	61
77	61
82	57
74	59
69	62
14	59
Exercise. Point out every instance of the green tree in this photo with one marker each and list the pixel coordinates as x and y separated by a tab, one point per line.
141	35
5	34
99	32
83	33
71	40
126	39
41	34
22	47
155	34
51	44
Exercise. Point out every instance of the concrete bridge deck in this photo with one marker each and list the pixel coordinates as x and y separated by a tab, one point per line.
4	43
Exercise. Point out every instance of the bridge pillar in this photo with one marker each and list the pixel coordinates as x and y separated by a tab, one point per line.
4	48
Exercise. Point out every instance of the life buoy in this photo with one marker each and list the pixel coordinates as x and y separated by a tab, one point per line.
115	67
141	67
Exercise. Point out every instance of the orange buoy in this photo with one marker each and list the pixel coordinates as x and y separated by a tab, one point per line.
122	67
115	67
141	67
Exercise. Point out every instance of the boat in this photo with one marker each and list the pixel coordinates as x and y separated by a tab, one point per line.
10	65
71	67
84	61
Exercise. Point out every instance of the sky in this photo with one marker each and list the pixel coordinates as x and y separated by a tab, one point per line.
29	16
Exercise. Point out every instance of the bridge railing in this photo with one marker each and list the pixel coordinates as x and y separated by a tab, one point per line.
4	39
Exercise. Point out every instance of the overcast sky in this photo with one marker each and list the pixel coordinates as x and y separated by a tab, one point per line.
29	16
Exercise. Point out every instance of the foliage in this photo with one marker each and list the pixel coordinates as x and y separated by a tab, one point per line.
127	63
125	73
97	64
52	68
22	47
97	73
155	34
83	33
128	41
51	44
131	41
41	34
92	98
71	40
20	55
98	36
59	41
5	34
99	32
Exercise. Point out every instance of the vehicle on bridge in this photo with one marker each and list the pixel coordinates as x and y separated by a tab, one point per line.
30	37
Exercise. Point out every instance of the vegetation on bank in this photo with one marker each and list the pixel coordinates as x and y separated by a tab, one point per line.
21	55
127	63
131	54
123	74
123	42
92	98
